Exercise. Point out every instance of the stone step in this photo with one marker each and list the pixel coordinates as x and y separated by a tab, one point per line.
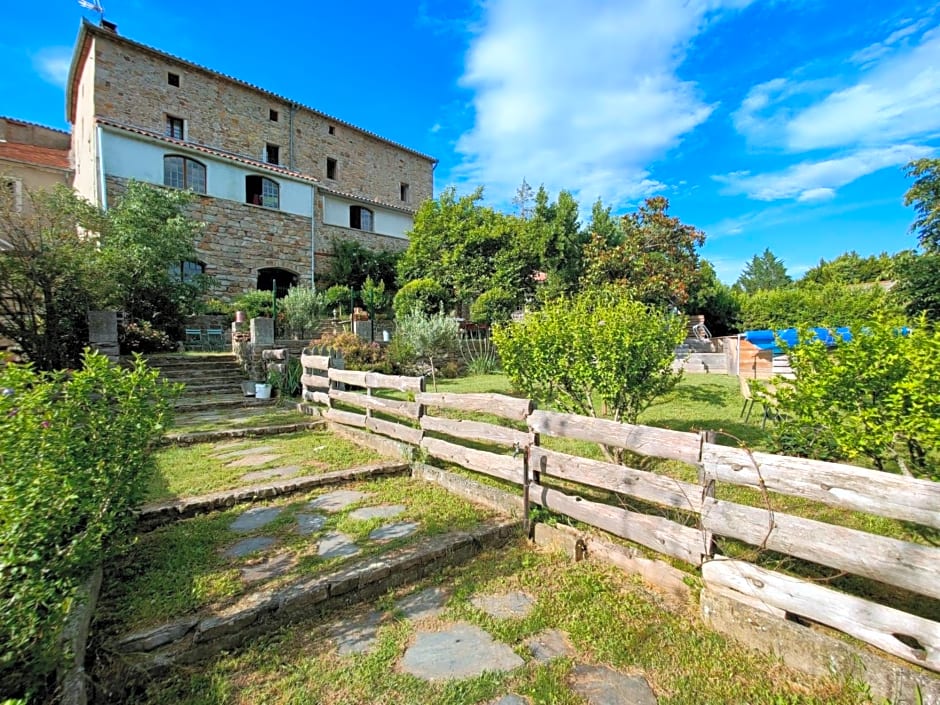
219	401
208	377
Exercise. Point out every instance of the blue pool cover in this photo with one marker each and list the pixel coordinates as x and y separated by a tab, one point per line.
768	339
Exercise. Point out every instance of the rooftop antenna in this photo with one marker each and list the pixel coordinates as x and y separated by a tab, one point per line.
94	6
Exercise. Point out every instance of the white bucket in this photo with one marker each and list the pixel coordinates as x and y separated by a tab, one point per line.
262	391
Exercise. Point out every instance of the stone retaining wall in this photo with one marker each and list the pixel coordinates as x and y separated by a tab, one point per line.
157	514
195	638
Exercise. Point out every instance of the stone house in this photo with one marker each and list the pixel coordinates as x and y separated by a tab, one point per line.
32	158
277	182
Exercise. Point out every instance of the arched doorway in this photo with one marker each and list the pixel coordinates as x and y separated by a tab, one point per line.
284	278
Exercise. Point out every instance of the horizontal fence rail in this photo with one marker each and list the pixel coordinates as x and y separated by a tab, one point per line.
672	517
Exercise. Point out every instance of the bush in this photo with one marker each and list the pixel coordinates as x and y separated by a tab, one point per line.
358	354
493	306
144	338
430	336
302	308
77	459
830	305
337	297
425	294
600	344
876	396
255	304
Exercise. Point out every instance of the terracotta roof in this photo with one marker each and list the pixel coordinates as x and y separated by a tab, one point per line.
365	199
192	146
40	156
32	124
90	28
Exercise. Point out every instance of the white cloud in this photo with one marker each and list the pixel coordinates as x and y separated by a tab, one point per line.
816	194
896	97
581	95
52	64
818	180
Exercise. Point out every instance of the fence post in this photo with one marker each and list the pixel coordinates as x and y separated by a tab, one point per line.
708	490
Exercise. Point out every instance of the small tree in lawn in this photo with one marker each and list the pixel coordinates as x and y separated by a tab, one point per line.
428	336
599	345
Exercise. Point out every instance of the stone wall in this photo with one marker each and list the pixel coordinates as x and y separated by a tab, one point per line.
131	87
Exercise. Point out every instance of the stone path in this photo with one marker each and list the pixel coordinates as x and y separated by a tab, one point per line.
464	650
437	652
311	523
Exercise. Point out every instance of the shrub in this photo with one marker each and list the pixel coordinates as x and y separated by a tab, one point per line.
287	383
302	308
358	354
77	457
876	396
830	305
337	297
429	336
600	344
425	294
144	338
479	352
493	306
255	304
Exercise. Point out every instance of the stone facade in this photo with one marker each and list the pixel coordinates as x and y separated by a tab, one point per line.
120	95
131	86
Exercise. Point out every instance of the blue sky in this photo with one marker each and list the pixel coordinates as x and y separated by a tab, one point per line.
781	124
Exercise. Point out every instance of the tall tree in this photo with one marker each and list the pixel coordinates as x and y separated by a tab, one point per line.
523	199
603	223
924	195
762	273
850	268
656	258
46	276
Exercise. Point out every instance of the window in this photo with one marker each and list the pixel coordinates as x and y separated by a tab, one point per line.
262	191
14	191
332	130
174	127
183	172
272	115
403	190
360	218
330	168
271	153
187	271
173	79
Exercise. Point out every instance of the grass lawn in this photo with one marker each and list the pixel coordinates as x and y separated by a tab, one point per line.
182	567
609	618
207	467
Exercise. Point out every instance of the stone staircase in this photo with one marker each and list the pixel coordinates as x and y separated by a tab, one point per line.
212	381
700	357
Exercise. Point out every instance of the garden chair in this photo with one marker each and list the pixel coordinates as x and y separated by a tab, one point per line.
193	339
748	397
215	339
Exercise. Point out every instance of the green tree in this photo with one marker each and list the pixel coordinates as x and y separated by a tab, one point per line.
554	232
764	272
924	195
917	287
598	345
466	247
146	238
850	268
656	256
603	223
47	275
715	300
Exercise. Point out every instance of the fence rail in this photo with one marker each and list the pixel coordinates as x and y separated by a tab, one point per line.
655	511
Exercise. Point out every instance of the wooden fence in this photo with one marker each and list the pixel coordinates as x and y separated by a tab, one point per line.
675	518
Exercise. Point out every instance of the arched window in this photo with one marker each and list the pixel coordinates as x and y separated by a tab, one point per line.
360	218
262	191
183	172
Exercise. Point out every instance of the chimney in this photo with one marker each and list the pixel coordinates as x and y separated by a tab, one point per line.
110	26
